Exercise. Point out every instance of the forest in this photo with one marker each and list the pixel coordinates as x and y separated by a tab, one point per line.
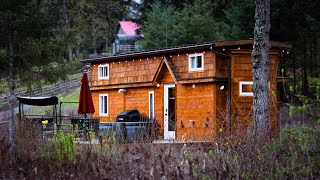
41	41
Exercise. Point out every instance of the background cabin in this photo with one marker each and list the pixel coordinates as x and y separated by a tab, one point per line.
195	92
126	38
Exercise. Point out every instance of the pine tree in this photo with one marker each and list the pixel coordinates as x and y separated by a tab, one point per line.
27	47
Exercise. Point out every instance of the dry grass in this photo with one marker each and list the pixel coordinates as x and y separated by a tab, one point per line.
296	154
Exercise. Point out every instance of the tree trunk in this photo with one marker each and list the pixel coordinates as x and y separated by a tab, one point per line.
95	44
260	68
304	75
11	98
78	51
69	53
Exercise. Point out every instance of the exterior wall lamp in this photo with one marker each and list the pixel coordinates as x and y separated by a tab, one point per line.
122	90
158	85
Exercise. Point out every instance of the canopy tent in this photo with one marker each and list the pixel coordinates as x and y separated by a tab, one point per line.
39	101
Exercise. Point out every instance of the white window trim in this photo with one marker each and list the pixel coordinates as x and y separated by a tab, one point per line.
103	65
101	108
151	92
202	62
240	88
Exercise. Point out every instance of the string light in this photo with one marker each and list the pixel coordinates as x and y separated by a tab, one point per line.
132	60
126	61
140	59
112	62
223	49
154	58
283	50
239	48
147	58
178	54
119	62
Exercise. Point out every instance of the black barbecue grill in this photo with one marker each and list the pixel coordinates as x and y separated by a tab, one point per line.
128	116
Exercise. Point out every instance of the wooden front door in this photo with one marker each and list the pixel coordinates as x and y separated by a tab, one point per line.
169	111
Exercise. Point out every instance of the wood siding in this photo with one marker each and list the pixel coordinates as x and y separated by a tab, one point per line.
241	105
126	72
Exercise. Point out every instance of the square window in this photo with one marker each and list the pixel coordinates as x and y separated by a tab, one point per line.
245	88
103	104
103	71
196	62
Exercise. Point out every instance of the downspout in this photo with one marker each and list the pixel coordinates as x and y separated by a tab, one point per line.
229	88
229	94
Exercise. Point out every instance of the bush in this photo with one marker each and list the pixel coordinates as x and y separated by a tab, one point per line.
293	155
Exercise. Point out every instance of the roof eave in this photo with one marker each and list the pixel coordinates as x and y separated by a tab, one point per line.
151	52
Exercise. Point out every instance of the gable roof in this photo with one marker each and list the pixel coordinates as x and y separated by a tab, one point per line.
166	61
129	27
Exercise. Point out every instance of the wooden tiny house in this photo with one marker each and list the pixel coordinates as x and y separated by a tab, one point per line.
195	92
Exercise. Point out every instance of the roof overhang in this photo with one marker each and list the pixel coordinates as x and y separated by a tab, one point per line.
179	49
158	52
276	44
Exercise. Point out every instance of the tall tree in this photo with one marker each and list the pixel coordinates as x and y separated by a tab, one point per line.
260	67
28	49
102	18
158	29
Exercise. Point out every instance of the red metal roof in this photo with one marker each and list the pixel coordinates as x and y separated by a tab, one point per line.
129	27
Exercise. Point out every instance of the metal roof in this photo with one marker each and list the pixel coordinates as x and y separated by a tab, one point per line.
177	49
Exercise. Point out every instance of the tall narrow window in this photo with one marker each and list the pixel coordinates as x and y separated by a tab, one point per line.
151	104
196	62
103	71
103	104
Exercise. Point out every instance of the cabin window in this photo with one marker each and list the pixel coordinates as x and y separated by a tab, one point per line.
245	88
196	62
103	71
103	104
151	104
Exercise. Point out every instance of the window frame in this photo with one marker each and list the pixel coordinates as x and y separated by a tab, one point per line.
151	116
190	63
101	109
241	83
103	77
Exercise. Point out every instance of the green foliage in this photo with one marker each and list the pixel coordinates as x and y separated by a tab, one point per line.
64	147
298	151
159	27
166	25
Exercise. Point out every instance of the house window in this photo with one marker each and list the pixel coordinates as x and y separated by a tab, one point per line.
103	71
151	104
196	62
103	104
245	88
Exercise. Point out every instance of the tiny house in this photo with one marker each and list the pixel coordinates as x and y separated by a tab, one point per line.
194	92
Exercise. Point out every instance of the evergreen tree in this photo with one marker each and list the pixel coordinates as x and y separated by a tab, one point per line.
158	29
27	47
